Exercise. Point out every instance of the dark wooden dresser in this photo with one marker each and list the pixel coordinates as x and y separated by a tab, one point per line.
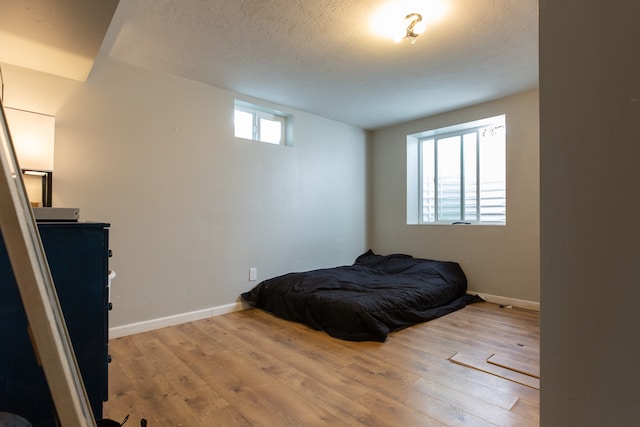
78	256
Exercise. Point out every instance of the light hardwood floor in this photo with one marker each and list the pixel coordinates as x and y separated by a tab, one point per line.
249	368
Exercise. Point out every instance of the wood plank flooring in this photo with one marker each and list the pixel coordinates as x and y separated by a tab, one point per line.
249	368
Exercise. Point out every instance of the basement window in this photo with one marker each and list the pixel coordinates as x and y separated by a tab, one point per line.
457	174
259	123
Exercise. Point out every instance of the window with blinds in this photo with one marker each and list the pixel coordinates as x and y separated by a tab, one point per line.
458	174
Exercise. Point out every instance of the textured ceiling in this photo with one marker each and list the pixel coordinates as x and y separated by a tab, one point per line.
60	37
319	56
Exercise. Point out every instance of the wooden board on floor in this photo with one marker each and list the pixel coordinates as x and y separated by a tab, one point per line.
481	364
523	367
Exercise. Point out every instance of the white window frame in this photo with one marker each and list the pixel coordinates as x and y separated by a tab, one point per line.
260	113
415	190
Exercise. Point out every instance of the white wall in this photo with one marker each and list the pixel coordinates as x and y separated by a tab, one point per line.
192	208
498	260
590	205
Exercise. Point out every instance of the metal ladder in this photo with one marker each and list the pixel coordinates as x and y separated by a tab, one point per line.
48	330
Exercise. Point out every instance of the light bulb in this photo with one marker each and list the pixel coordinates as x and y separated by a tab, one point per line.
420	27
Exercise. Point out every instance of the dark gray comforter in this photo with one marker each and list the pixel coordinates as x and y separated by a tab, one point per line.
367	300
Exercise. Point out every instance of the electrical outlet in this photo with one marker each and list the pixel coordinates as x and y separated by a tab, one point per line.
253	274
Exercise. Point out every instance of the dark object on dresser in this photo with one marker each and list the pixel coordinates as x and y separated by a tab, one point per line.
77	254
367	300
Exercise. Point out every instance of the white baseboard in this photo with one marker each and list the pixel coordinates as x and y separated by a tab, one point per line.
506	301
149	325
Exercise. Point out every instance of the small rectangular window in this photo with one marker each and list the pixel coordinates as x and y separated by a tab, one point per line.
262	124
458	174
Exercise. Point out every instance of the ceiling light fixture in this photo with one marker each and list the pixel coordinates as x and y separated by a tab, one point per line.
392	20
415	27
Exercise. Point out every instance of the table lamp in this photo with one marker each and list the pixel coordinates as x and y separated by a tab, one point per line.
33	140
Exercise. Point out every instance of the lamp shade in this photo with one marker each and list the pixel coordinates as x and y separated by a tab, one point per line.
33	138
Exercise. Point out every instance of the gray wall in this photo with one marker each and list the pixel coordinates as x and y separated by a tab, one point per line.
192	208
498	260
590	205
